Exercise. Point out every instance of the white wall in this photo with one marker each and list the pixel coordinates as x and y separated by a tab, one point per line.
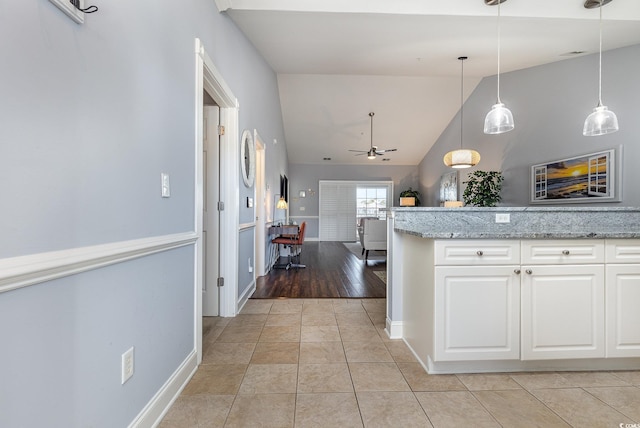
91	115
549	104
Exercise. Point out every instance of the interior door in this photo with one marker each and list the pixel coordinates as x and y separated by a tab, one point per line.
211	215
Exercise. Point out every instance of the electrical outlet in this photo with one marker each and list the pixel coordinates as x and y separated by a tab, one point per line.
503	218
127	365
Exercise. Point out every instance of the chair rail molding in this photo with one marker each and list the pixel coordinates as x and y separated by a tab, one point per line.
23	271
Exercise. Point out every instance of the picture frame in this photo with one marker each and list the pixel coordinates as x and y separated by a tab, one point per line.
588	178
247	158
448	187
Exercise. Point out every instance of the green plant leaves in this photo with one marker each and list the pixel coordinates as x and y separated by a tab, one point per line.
483	188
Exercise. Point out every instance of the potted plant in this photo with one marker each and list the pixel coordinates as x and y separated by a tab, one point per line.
409	198
483	188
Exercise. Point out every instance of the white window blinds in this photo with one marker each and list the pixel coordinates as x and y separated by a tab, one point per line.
337	211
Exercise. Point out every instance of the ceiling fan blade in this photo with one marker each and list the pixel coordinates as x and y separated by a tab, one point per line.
361	154
359	151
383	151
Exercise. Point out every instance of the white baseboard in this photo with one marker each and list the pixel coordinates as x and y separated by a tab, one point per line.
159	405
245	296
394	329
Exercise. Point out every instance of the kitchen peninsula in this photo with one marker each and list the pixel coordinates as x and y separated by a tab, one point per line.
516	288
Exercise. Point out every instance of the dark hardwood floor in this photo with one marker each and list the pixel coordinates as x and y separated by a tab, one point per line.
332	271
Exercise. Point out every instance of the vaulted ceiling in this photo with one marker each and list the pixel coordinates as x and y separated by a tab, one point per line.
338	60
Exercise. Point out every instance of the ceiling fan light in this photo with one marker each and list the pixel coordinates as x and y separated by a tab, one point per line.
371	154
602	121
499	120
462	158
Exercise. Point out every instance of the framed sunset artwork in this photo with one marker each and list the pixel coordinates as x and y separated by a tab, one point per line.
586	178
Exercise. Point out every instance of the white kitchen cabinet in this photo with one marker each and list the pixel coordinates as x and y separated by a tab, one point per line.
623	310
478	305
623	297
563	312
477	313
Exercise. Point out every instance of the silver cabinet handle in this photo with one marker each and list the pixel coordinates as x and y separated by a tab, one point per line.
529	271
516	271
565	252
479	253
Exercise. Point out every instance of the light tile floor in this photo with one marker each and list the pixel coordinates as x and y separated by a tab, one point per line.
329	363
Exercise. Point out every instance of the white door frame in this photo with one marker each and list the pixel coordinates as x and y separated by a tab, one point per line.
260	208
208	78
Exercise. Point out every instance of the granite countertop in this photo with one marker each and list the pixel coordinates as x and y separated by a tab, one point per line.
521	222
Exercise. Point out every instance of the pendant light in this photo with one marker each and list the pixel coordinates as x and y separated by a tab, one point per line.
462	158
602	120
499	119
282	204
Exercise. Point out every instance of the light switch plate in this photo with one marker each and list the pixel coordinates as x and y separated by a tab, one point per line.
166	185
70	10
127	365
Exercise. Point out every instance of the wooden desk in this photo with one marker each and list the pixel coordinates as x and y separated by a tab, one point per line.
286	229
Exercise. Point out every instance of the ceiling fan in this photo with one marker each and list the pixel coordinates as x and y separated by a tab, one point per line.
373	150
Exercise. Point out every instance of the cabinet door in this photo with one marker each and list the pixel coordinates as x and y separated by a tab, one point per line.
562	312
623	310
477	313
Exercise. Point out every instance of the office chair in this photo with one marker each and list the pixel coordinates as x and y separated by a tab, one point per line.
295	243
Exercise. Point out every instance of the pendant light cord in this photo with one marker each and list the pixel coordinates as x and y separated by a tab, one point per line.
499	1
600	62
461	101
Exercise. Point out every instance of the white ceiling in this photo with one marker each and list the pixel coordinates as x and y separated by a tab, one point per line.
338	60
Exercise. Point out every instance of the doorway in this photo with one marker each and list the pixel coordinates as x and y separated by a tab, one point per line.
210	82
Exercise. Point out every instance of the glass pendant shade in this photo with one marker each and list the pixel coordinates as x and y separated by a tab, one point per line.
282	204
462	158
601	121
498	120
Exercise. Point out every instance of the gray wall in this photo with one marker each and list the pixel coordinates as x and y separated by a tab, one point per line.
307	176
549	104
91	115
